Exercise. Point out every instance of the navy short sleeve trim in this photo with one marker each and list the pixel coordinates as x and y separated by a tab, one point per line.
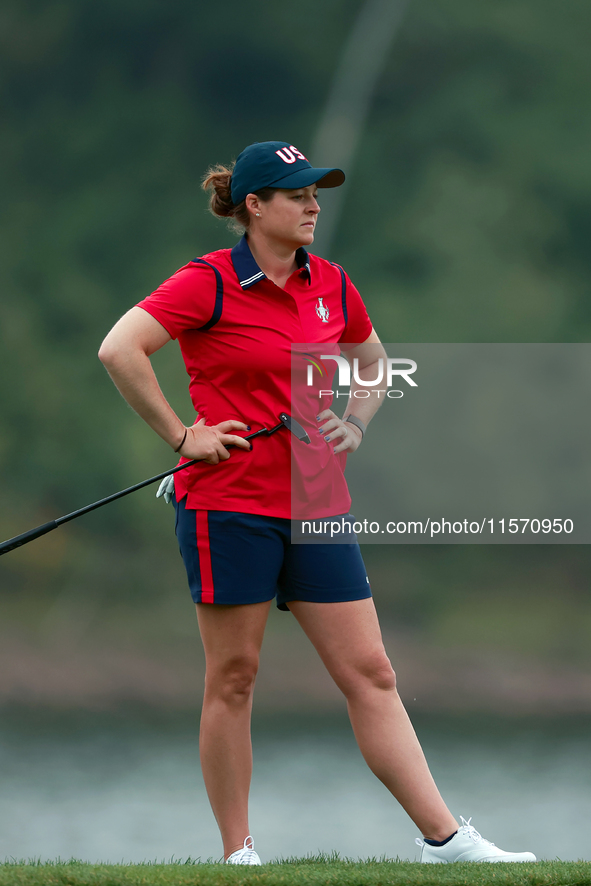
343	292
219	296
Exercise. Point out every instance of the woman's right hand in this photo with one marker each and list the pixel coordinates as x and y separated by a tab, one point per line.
208	442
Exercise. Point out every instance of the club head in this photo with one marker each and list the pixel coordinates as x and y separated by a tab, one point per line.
294	426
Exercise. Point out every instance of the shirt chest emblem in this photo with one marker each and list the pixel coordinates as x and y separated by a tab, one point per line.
322	310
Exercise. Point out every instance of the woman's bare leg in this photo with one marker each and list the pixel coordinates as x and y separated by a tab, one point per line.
348	639
232	638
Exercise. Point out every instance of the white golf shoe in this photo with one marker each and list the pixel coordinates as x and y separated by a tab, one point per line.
468	845
246	855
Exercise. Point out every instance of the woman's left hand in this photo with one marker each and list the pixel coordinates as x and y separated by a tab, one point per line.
345	436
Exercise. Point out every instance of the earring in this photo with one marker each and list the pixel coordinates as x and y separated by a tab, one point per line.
258	214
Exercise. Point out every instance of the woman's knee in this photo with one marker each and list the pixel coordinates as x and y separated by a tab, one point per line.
373	671
232	680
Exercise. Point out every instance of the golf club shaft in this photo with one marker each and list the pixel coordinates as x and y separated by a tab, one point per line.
20	540
32	534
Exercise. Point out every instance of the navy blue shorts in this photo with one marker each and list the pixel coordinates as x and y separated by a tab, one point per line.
236	558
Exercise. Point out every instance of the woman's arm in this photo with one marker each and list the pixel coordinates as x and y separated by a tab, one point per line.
125	353
367	355
364	408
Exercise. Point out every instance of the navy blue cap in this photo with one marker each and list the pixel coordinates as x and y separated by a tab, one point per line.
277	165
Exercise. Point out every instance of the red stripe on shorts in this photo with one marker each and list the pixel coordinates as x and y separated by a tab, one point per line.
204	557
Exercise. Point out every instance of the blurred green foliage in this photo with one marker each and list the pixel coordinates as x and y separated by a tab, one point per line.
467	219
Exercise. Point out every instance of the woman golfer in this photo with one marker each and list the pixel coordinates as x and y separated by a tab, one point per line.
236	313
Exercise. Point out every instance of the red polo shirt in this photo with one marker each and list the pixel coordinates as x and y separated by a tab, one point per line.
236	329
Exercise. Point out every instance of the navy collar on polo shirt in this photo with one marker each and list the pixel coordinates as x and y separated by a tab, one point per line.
249	273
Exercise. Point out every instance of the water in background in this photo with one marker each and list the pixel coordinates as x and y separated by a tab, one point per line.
101	788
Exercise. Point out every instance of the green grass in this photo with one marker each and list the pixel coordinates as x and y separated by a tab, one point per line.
314	871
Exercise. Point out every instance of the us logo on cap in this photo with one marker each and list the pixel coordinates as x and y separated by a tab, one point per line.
288	157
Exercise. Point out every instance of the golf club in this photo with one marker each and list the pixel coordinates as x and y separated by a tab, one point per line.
285	421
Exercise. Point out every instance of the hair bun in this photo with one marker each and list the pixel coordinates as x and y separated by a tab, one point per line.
217	182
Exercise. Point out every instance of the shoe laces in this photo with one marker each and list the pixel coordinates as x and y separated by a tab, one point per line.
247	854
472	833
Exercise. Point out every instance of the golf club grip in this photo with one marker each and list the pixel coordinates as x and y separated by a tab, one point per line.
19	540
